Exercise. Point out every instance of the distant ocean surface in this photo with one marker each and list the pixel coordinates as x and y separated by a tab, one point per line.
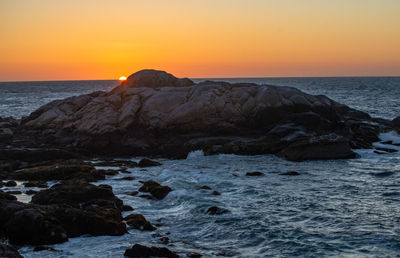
378	96
339	208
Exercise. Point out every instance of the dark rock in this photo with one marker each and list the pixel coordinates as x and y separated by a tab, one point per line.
153	79
147	196
75	193
128	178
14	192
148	163
164	240
40	184
290	173
138	251
195	255
386	150
69	169
84	208
323	147
43	248
132	193
254	173
155	189
138	221
6	196
216	193
127	208
205	187
30	224
214	210
396	122
116	163
31	192
383	174
8	251
10	183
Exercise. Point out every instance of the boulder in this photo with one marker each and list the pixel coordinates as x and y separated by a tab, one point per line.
148	163
155	189
138	251
138	221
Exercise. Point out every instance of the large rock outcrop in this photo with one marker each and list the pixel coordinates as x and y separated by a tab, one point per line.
154	113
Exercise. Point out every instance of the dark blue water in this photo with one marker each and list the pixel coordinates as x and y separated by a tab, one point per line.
343	208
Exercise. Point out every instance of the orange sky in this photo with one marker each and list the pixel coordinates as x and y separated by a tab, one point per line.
97	39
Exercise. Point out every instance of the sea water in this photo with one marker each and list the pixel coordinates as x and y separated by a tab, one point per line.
347	208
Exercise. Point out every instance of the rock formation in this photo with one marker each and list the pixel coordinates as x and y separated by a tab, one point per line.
154	113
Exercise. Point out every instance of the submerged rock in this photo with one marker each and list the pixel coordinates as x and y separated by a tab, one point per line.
138	251
257	173
290	173
214	210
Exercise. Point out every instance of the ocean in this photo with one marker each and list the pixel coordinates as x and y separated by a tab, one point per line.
345	208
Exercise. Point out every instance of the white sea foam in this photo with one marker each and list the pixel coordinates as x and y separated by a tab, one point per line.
390	136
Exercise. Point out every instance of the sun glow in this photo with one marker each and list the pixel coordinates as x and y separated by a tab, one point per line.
122	78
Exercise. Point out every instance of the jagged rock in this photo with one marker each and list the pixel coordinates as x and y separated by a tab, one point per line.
7	251
138	251
155	189
138	221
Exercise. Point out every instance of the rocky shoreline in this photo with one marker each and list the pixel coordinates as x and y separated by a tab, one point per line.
155	114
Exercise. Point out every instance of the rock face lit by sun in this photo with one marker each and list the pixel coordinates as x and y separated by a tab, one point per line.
122	78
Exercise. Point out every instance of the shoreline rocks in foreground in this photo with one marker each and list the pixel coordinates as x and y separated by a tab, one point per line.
154	113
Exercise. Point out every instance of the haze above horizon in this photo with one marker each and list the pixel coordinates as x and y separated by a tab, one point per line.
88	39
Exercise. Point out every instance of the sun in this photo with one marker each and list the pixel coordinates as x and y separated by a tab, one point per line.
122	78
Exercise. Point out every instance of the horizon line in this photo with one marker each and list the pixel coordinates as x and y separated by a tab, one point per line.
235	77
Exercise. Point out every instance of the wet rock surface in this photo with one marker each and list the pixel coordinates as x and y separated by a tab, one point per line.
214	210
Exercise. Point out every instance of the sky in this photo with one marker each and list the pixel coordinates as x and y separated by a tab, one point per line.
98	39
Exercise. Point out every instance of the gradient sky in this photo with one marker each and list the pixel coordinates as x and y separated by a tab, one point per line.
97	39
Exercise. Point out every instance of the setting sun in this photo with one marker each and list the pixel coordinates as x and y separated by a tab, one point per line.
122	78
